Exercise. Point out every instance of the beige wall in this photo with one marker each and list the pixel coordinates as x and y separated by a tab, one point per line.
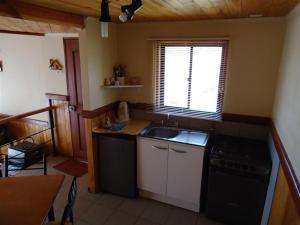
254	56
26	76
287	105
98	56
255	49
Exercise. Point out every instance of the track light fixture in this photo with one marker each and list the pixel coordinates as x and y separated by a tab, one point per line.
104	18
129	10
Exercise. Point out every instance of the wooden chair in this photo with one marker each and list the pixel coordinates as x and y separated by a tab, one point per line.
67	217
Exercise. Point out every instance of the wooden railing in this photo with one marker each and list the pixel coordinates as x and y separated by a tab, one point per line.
23	115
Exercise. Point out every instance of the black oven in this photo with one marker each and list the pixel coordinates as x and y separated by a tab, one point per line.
238	182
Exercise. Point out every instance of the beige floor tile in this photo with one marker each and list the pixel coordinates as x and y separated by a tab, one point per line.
202	220
81	222
90	196
110	201
134	207
60	202
121	218
157	212
182	217
97	214
145	222
54	160
81	206
58	215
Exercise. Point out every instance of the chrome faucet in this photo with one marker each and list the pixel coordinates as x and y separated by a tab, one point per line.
170	123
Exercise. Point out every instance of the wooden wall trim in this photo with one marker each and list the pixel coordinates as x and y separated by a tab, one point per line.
287	166
24	115
226	116
6	118
21	33
96	112
40	123
57	97
246	119
140	106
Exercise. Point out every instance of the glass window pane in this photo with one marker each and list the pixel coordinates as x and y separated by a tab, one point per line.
205	78
176	76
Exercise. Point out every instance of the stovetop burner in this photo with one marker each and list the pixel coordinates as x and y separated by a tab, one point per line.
240	154
241	148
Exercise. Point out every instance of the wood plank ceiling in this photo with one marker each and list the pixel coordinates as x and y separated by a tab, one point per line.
68	15
23	17
170	10
28	26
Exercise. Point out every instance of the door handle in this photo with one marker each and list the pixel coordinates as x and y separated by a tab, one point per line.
159	148
178	151
72	108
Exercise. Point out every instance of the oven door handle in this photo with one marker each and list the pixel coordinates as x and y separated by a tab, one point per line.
217	171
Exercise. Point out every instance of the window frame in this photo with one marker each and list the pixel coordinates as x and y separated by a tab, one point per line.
159	106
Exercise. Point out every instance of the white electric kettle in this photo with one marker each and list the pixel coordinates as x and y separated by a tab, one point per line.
123	112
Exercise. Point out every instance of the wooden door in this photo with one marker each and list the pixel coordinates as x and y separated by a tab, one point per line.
73	71
185	164
152	162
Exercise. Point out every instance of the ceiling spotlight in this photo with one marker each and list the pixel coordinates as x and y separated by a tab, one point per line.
129	10
104	18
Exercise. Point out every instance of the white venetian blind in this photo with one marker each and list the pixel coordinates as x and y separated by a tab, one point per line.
190	78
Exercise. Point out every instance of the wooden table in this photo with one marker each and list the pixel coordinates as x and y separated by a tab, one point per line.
27	200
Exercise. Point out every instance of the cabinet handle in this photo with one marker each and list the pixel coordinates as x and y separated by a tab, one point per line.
159	148
178	151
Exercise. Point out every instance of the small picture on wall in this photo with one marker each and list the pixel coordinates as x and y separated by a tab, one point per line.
55	64
1	66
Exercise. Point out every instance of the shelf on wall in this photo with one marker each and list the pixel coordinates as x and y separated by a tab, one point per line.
124	86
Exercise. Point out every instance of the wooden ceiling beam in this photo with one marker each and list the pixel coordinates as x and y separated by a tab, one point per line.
6	9
39	14
21	33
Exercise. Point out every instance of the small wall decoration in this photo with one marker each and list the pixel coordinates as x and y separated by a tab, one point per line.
55	64
1	66
120	73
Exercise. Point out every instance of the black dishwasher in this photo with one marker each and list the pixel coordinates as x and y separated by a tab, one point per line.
117	164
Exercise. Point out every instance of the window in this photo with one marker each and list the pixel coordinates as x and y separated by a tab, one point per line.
190	78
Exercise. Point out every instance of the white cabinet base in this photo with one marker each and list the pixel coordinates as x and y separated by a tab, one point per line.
171	201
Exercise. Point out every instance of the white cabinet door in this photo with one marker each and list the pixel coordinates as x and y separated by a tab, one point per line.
152	161
185	166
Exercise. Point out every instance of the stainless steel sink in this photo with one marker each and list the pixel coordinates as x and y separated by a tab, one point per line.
162	132
173	134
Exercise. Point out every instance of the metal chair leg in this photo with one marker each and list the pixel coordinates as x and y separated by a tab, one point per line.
6	166
51	216
45	162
